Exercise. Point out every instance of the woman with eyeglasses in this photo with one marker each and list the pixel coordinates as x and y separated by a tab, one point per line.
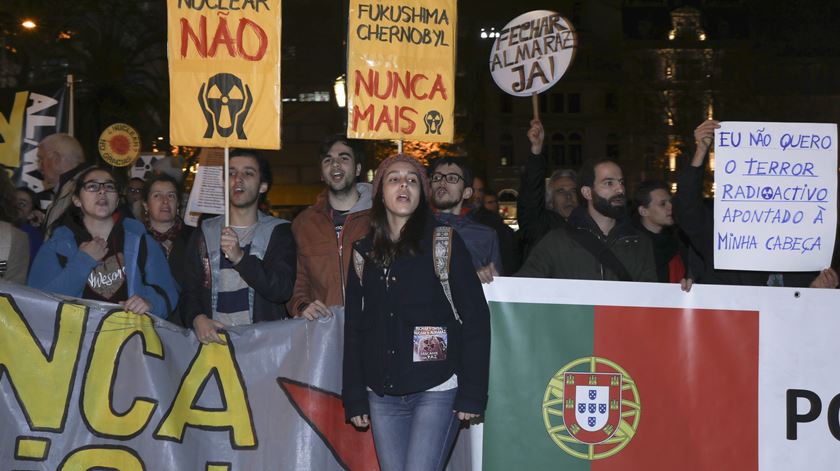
416	349
95	255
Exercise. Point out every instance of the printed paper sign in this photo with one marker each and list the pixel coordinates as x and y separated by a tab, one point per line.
775	196
532	52
208	190
401	70
224	73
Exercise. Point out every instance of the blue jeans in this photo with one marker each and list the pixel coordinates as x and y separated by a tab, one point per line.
414	432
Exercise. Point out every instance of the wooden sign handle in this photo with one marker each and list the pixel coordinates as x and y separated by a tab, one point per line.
535	104
226	180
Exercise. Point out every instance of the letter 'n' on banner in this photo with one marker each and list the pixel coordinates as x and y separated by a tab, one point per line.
401	70
224	74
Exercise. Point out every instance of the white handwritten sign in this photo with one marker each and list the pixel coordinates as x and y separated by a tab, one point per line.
775	196
532	52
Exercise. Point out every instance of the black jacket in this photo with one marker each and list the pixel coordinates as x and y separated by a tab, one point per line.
382	313
559	255
272	278
535	219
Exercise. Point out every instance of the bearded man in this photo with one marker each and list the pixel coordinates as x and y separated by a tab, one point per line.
601	243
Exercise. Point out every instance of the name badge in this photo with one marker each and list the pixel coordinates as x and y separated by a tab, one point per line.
429	343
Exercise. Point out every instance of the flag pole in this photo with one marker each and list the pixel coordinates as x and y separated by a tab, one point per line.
70	127
226	180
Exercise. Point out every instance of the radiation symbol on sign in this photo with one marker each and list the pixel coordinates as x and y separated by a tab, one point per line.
225	102
433	120
591	408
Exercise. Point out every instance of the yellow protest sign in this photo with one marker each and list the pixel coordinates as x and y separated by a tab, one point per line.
224	73
401	70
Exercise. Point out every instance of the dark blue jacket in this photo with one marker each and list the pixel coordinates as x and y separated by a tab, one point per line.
482	241
383	311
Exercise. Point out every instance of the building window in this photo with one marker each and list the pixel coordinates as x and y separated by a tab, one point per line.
574	103
575	149
505	150
558	149
557	102
505	103
611	102
543	101
612	146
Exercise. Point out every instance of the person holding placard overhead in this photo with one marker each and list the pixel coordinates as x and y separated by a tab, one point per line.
417	327
243	273
537	213
696	218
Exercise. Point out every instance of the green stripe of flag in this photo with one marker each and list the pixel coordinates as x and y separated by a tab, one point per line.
531	343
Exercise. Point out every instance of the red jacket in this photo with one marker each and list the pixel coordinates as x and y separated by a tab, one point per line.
322	258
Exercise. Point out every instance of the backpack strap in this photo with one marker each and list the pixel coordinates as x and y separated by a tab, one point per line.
358	264
598	249
442	256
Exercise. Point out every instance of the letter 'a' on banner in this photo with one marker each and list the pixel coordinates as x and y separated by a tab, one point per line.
401	70
224	73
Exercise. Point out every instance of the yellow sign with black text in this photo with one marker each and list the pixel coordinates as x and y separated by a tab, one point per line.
401	70
224	73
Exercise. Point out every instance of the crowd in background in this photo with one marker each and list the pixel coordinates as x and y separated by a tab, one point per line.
398	254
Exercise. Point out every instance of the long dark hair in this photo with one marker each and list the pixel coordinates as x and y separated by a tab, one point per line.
385	251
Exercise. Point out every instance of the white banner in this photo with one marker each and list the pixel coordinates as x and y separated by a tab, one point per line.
86	385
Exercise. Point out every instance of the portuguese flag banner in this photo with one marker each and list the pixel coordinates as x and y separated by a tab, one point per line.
616	376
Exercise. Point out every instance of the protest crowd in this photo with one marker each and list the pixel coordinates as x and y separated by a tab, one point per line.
404	255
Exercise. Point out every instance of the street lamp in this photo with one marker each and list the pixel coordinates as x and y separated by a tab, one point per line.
28	24
340	94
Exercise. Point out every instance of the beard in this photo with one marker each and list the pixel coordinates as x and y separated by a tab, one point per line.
443	204
343	187
614	207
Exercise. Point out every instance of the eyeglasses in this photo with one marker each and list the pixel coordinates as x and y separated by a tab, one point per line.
135	190
452	178
94	186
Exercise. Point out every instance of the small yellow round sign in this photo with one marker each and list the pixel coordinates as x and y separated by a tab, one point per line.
119	145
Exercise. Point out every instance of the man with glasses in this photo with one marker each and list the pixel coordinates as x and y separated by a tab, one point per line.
134	197
449	192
